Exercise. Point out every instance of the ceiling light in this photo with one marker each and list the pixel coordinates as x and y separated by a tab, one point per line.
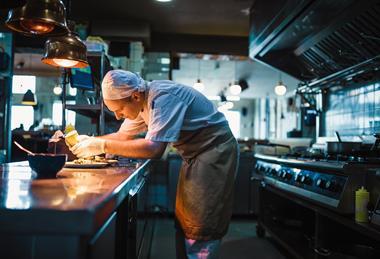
213	97
232	98
165	61
39	17
225	106
65	51
72	91
199	85
163	1
29	98
235	89
229	105
280	89
57	90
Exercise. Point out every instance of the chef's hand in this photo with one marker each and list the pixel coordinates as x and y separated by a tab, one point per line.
81	138
90	147
57	136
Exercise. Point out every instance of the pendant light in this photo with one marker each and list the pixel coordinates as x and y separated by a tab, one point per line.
29	98
57	90
235	88
280	89
198	85
38	17
66	51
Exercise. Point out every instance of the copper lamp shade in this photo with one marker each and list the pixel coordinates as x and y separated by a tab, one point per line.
39	17
65	51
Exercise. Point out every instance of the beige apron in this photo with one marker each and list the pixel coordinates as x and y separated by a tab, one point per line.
206	182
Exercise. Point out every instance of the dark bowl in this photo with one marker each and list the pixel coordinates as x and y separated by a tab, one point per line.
47	165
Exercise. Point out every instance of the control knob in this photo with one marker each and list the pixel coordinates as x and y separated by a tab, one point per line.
321	183
330	185
289	176
305	179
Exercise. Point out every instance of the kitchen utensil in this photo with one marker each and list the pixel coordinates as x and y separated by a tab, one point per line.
71	138
338	136
377	141
47	165
23	149
342	147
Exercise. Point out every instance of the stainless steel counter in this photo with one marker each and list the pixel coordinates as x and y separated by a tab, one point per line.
79	202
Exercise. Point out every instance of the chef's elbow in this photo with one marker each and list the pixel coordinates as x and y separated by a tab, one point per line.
158	149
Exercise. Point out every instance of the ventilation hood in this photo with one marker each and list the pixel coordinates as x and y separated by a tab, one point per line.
315	40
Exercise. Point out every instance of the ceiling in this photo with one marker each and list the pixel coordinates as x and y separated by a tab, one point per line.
196	17
181	26
217	75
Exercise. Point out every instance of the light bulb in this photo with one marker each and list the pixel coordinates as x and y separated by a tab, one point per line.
57	90
229	105
65	62
37	27
73	91
199	85
280	89
235	89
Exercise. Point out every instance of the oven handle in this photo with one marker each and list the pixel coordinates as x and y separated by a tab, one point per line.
135	189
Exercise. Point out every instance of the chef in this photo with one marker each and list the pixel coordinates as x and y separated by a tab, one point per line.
173	113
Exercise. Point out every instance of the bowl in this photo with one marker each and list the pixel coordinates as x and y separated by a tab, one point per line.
47	165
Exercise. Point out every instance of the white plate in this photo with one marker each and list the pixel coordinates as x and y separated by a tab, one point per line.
92	165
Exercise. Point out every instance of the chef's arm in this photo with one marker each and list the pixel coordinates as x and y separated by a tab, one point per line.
119	135
136	148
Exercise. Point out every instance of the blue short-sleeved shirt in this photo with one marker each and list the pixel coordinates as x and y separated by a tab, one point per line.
170	108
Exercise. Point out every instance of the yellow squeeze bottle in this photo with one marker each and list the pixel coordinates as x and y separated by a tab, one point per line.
361	202
71	135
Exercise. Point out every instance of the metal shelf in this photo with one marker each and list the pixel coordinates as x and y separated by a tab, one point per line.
90	110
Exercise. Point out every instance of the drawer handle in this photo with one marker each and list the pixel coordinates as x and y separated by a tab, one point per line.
137	188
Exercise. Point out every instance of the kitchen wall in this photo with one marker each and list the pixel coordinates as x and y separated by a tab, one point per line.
353	111
274	117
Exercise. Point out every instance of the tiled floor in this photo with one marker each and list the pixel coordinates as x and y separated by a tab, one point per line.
239	243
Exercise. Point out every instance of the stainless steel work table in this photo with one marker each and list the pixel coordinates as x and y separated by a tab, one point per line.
74	208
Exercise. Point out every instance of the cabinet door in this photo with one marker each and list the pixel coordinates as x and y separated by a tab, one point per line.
242	185
175	164
102	245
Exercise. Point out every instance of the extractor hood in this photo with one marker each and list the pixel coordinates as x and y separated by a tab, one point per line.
314	40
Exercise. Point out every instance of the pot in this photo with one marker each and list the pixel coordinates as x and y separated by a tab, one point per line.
342	147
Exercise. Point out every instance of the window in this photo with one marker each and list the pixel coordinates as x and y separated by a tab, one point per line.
233	118
20	84
22	115
57	114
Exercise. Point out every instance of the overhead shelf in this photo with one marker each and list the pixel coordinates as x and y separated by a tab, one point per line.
90	110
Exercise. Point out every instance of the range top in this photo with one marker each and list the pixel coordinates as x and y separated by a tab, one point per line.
330	182
334	162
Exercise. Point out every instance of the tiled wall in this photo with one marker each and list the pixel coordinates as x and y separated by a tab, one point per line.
354	112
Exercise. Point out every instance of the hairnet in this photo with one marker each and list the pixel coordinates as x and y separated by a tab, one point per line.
119	84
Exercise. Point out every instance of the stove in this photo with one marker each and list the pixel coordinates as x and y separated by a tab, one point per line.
326	181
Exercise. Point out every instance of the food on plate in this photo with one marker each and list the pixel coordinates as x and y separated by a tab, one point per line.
93	160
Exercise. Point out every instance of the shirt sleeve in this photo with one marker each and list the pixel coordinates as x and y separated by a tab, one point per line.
166	119
133	127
